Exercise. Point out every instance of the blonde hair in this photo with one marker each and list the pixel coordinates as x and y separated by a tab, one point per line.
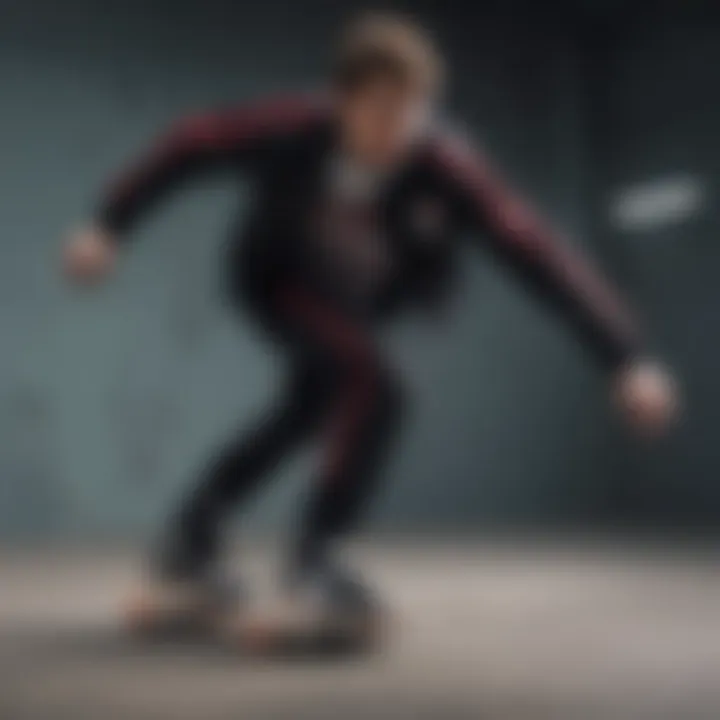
388	46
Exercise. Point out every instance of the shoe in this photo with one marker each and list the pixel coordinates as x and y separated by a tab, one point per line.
322	609
170	606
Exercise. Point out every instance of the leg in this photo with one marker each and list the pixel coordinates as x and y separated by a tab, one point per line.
361	439
186	588
364	414
237	471
364	410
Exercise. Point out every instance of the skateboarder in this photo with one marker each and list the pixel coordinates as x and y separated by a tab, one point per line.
361	198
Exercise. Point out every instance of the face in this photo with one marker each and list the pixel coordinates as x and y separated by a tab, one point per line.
381	121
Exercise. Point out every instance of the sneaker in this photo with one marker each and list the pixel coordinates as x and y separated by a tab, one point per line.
163	605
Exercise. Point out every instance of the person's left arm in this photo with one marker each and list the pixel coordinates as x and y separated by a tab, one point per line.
561	277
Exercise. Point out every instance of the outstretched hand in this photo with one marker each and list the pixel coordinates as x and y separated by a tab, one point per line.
647	395
89	256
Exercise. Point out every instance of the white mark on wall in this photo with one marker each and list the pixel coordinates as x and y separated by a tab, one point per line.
658	203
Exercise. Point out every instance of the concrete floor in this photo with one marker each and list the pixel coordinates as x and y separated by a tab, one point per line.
482	631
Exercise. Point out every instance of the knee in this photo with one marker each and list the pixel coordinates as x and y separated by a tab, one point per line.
380	386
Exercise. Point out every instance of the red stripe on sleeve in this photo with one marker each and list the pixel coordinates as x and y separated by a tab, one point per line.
515	227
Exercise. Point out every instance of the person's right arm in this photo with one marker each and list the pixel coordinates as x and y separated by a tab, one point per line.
190	148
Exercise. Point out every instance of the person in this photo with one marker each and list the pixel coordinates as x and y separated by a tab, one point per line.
361	197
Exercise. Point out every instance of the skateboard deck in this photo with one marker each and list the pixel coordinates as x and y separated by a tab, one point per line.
266	631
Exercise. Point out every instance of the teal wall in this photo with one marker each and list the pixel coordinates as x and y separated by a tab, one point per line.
109	401
657	114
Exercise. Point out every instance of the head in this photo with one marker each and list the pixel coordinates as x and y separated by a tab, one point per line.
386	80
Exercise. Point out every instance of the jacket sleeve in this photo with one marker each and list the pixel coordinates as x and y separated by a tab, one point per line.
194	146
551	269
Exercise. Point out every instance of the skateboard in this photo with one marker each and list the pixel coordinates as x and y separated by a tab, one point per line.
292	630
282	628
